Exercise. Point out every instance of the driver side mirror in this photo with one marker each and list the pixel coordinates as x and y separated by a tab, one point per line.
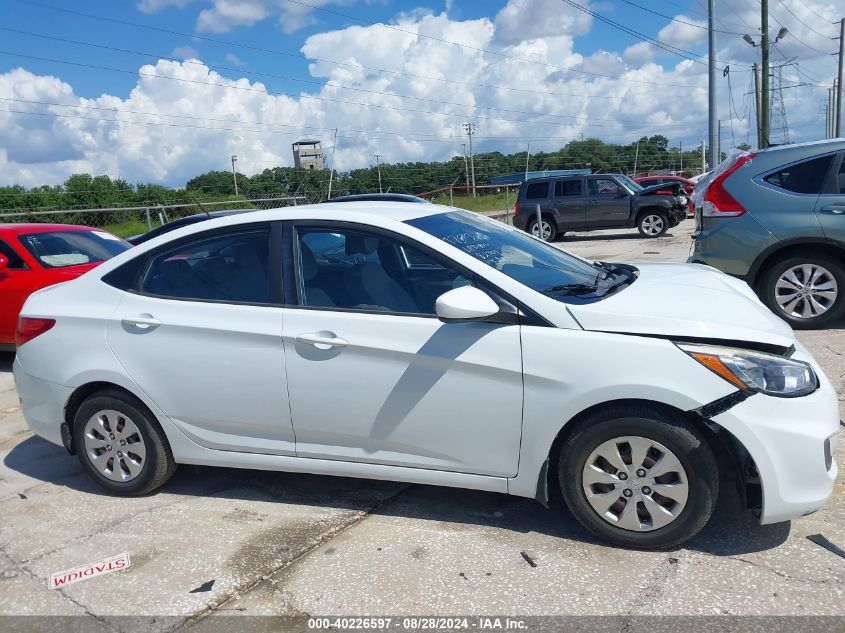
465	304
4	262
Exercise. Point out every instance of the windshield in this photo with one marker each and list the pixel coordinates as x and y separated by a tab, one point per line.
518	255
633	187
57	249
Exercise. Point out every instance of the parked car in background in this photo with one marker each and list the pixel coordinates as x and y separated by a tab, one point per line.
776	218
379	197
33	256
178	223
688	185
597	201
425	344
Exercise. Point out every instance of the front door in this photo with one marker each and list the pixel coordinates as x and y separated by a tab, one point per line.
201	336
375	377
830	205
608	204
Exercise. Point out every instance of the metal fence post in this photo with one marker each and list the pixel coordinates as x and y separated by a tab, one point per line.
451	198
149	221
507	204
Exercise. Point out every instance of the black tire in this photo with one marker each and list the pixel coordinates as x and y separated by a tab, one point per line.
647	220
158	464
767	289
671	430
552	228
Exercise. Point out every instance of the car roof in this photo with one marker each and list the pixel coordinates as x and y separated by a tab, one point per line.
378	197
18	228
820	146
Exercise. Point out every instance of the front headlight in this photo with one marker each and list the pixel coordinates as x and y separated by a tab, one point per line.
756	371
682	200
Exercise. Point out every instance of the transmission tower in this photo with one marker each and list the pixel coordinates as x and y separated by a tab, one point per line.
778	109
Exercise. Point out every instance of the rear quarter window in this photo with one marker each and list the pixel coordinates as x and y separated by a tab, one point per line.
537	190
805	177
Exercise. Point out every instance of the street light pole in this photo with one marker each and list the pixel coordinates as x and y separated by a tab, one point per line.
764	93
470	130
711	82
838	122
234	174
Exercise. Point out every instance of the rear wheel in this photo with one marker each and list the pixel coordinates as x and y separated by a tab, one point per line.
639	477
653	224
807	291
547	231
121	445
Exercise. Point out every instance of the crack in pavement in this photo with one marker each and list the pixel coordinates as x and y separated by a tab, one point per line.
237	592
784	575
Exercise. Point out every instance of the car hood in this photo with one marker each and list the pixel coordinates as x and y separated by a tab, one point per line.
674	187
689	301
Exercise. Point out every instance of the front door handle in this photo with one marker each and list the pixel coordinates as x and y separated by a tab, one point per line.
142	322
835	209
322	340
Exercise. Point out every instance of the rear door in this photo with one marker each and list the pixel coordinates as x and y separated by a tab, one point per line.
568	203
200	332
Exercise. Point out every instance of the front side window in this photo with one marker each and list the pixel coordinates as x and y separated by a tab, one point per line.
59	249
603	186
567	188
351	269
528	260
16	262
230	267
537	191
806	177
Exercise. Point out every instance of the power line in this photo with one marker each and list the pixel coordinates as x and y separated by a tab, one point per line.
792	13
669	17
335	62
813	11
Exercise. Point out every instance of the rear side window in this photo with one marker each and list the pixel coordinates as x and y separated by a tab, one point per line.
229	267
15	261
567	188
537	190
840	178
806	177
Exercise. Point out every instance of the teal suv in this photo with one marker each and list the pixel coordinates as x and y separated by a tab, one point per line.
776	218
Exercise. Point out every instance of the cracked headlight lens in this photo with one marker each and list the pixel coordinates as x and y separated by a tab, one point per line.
756	371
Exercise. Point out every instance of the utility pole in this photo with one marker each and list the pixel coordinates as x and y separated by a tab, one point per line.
681	154
828	132
466	164
234	174
378	167
527	156
703	159
718	153
838	121
764	94
711	80
470	130
636	157
331	173
757	112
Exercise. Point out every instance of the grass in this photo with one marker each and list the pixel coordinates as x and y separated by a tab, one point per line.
493	202
127	229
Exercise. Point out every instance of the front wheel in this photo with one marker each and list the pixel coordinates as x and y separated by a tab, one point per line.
546	232
807	291
653	224
639	477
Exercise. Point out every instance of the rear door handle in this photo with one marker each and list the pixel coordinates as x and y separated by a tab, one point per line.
142	322
835	209
322	340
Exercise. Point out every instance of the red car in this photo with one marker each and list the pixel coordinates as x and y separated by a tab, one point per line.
33	256
650	181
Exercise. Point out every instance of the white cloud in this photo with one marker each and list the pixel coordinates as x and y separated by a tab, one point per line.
522	20
154	6
541	101
224	15
234	59
185	52
683	34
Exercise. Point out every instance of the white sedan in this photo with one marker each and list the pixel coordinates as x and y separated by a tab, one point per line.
421	343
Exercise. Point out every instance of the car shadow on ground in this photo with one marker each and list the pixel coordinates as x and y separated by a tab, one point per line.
6	360
587	237
732	531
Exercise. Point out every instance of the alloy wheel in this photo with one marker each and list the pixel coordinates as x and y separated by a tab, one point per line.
545	227
635	483
114	445
652	224
806	291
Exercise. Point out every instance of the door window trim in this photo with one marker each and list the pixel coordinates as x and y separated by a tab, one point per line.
506	302
19	256
274	263
827	183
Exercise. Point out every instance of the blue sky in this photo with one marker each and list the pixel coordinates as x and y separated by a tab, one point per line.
539	71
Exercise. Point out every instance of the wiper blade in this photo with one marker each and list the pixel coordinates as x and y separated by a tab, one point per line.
570	289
